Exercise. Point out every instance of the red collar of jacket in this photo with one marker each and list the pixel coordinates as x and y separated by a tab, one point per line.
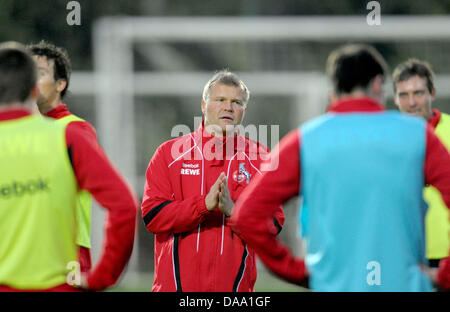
351	105
14	113
201	136
435	118
58	112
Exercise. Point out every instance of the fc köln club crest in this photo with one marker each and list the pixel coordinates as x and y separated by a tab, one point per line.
242	174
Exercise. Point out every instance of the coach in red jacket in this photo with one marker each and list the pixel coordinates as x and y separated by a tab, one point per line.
192	183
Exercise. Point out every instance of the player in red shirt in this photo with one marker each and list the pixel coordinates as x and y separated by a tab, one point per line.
191	185
54	70
414	90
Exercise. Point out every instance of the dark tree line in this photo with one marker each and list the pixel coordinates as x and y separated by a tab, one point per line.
29	21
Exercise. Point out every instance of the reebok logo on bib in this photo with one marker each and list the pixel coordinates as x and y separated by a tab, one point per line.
20	188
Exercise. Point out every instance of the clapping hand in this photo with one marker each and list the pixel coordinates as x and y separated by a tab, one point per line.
226	204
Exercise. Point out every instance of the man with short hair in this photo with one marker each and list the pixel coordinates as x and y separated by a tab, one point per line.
414	93
54	70
43	165
191	185
361	171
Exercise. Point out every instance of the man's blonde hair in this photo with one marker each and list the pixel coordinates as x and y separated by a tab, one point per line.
227	78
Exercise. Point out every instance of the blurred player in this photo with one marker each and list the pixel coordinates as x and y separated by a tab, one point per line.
192	184
414	93
43	165
360	171
54	69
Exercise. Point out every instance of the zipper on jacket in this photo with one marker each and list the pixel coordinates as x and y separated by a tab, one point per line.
201	187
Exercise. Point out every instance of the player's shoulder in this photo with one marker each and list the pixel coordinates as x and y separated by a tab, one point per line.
445	117
398	119
82	125
46	124
75	118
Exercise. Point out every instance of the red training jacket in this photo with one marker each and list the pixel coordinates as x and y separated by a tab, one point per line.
195	249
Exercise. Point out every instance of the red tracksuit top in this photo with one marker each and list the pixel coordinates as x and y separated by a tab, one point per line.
196	250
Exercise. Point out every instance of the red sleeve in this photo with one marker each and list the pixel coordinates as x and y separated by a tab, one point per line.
251	218
444	273
437	165
97	175
437	173
278	216
160	211
86	128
